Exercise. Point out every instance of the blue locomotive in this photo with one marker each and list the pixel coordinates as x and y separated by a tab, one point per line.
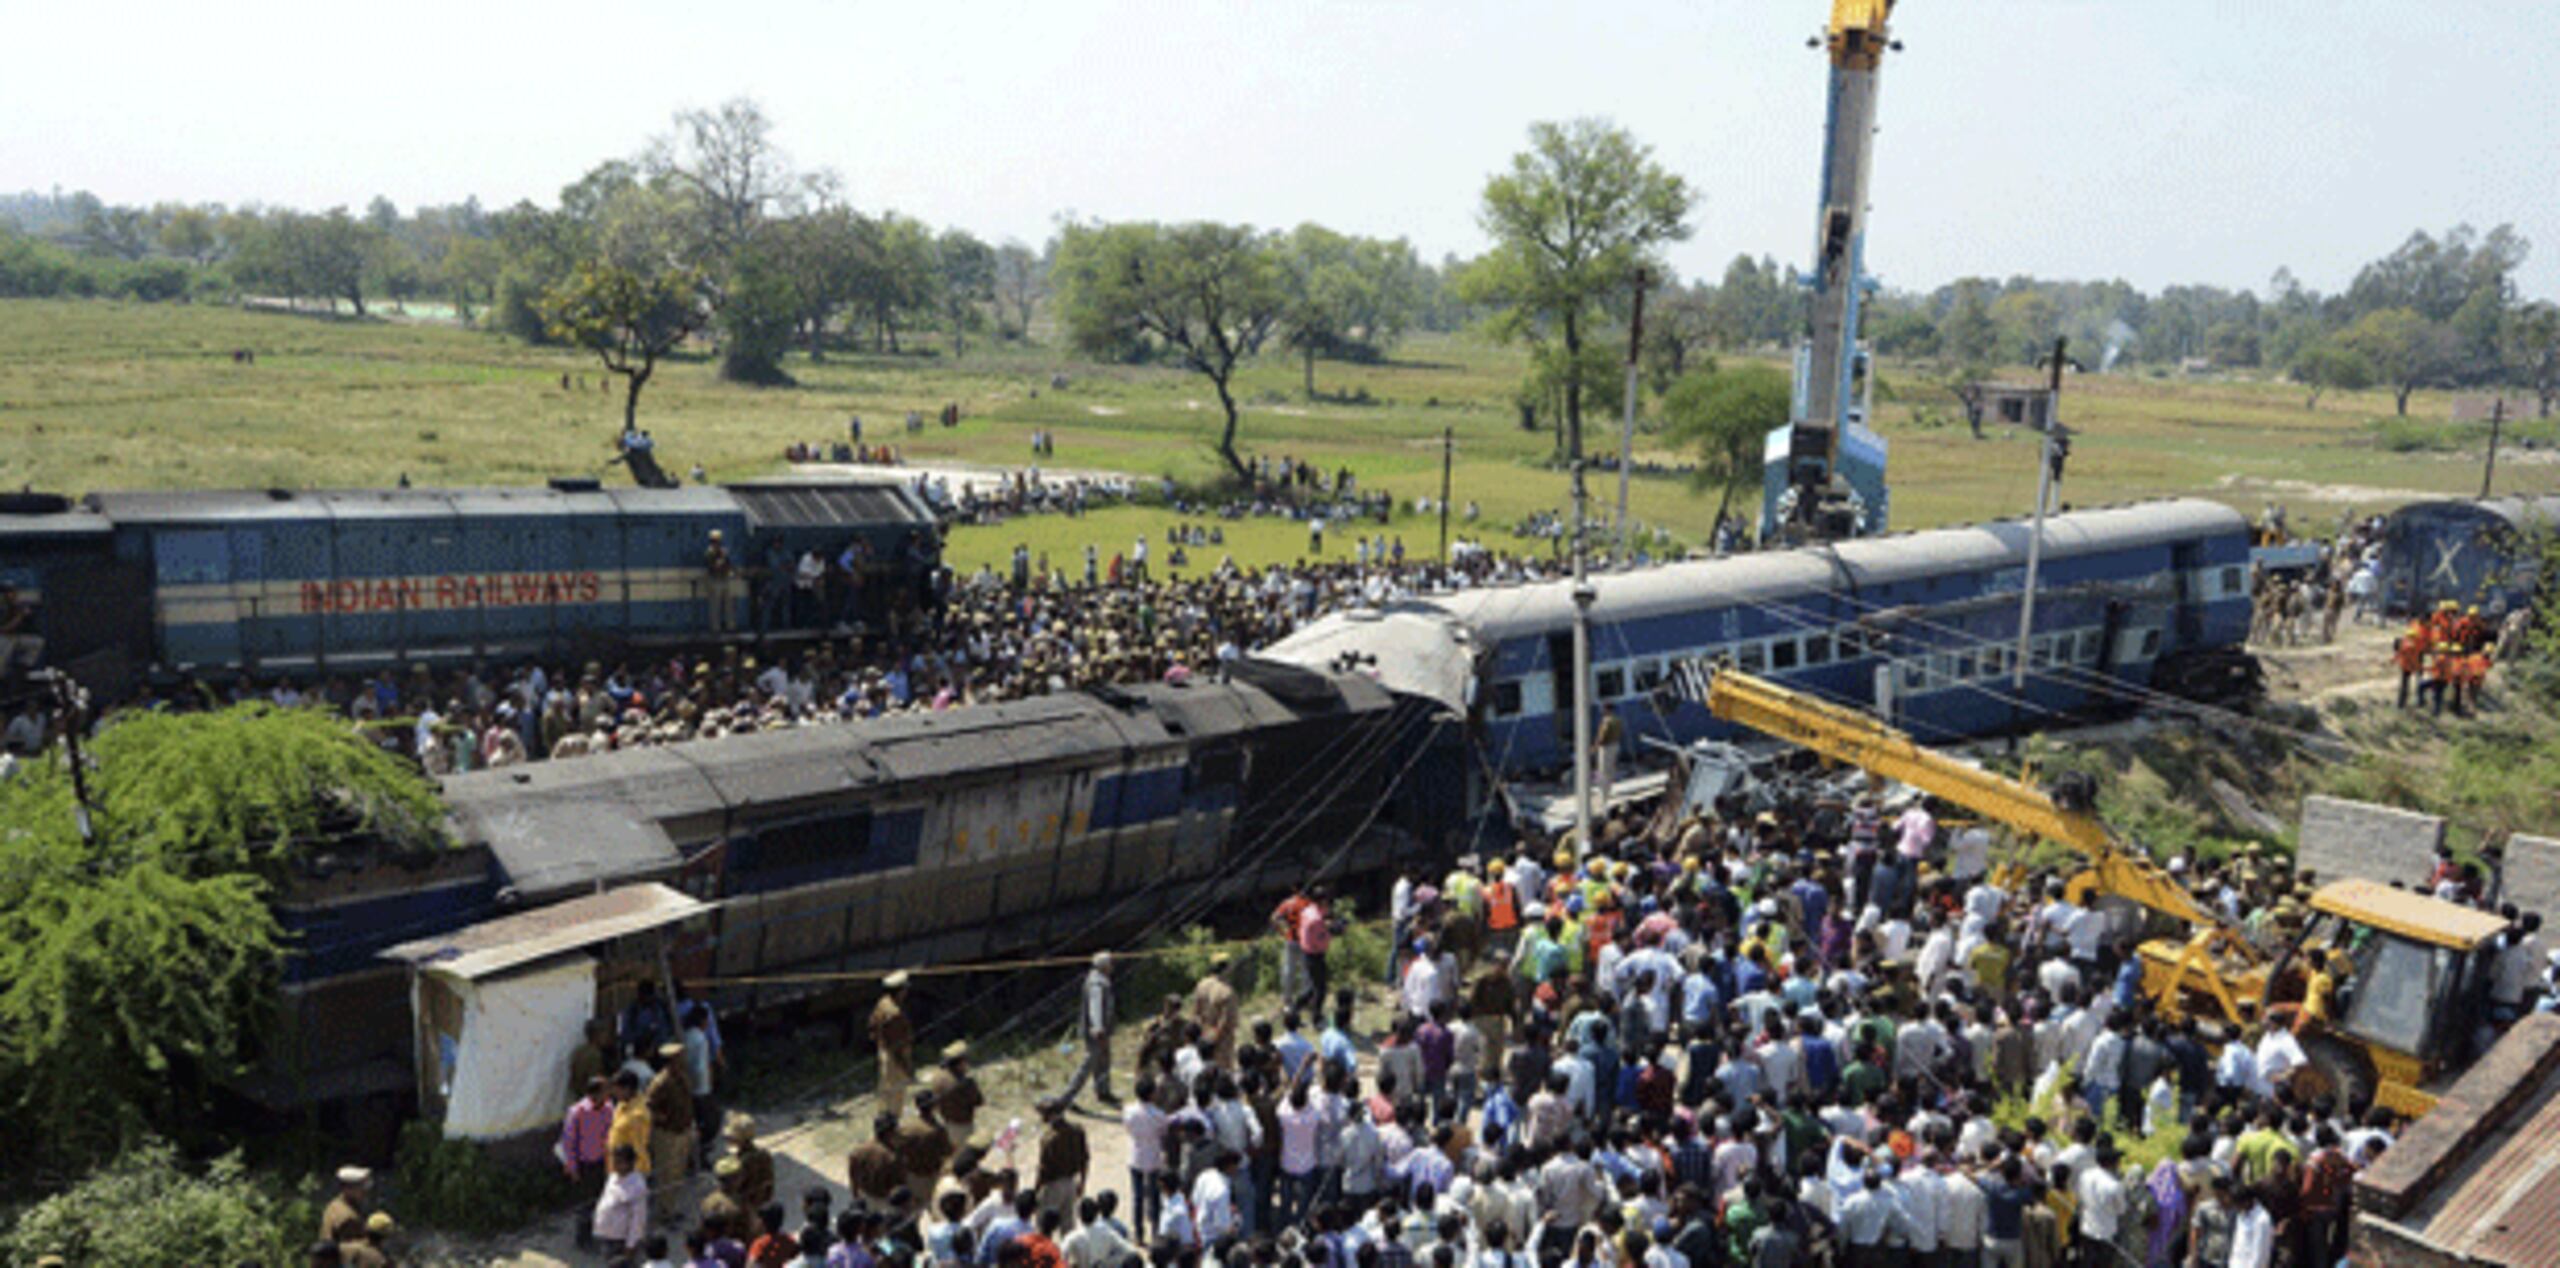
306	582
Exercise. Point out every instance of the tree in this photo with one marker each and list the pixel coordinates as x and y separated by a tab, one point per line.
1728	415
893	274
1679	325
625	296
1346	296
1022	281
2406	351
1573	220
469	272
2328	364
824	251
759	310
2534	349
1967	336
136	971
629	317
2026	320
145	1207
1208	294
965	277
188	233
727	171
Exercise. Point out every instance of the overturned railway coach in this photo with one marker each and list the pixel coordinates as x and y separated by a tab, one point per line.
1921	628
1062	822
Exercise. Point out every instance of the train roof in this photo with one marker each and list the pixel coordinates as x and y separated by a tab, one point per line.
1412	648
2522	512
1503	612
564	825
774	503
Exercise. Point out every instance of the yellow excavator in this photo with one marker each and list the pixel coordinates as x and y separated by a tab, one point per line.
2410	973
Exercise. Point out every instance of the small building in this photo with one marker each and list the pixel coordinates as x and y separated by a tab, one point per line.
2484	551
2475	1181
500	1006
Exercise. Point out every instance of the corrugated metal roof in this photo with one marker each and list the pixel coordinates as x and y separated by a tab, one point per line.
495	946
1506	612
829	505
2479	1168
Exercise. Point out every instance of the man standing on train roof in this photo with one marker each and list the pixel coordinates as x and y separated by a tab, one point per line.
955	1090
717	568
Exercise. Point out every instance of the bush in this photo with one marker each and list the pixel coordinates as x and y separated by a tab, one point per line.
2411	435
145	1208
456	1185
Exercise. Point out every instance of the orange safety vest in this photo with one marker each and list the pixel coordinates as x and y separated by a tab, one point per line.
1602	927
1501	907
2411	650
2475	668
2443	665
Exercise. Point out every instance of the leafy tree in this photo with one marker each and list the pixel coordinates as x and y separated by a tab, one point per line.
2534	349
1728	415
2329	364
630	317
1903	332
2026	320
823	251
1578	213
1756	306
136	970
1208	294
1679	326
470	272
147	1207
1968	336
1347	296
894	275
2231	343
1022	281
759	311
188	233
965	278
123	232
2406	350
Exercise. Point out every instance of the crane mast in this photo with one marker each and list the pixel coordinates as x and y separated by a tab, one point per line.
1817	495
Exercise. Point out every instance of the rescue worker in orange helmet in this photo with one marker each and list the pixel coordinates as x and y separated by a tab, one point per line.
2410	653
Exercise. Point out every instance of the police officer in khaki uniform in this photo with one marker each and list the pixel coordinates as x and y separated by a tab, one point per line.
895	1037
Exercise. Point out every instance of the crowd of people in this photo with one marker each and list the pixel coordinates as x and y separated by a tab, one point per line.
1825	1033
972	639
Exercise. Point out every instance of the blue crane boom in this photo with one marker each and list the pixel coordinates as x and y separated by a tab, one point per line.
1826	478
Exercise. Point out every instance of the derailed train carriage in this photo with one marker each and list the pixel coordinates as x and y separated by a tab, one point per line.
1059	823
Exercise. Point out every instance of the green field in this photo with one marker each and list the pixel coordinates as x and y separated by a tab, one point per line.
97	395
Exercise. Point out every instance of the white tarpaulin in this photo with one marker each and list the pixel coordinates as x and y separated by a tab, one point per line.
501	1071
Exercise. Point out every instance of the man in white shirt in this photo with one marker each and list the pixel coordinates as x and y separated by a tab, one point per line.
1213	1203
1969	855
2102	1205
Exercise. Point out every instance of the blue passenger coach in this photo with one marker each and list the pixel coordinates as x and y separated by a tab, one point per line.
1919	627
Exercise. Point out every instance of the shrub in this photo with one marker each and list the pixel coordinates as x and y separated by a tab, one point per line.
456	1185
145	1208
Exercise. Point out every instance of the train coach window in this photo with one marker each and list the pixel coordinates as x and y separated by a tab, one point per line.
2150	643
1751	658
2066	648
1995	660
1782	653
1915	674
1610	683
1964	667
2089	640
1506	698
2233	581
1648	676
1852	643
1817	649
2040	653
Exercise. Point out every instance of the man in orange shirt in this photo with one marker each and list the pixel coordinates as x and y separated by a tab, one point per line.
2410	652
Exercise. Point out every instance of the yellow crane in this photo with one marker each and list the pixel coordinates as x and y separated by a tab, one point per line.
2412	967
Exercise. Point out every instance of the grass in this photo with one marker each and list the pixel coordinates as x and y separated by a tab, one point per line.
97	395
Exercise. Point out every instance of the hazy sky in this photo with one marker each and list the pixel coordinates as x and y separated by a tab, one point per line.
2160	141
